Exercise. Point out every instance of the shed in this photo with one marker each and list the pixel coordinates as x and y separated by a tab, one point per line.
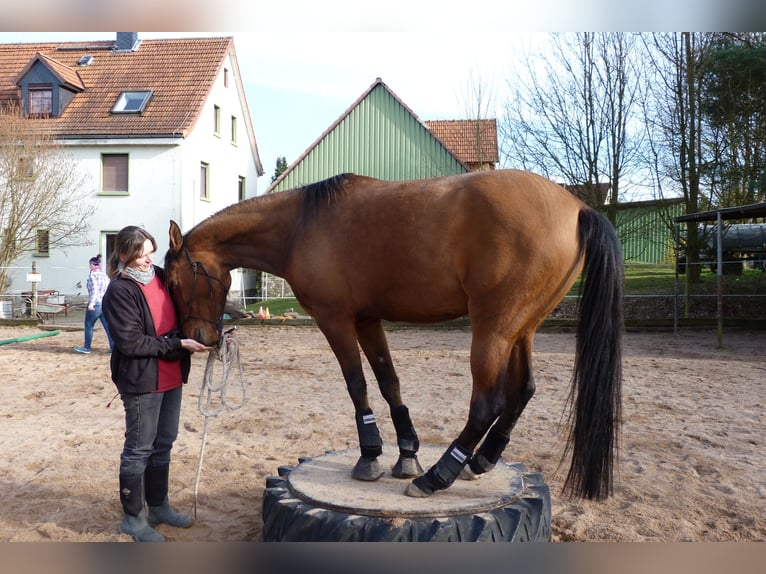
718	216
377	136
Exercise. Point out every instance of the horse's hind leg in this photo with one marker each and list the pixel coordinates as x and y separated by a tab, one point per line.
342	337
489	360
519	388
373	342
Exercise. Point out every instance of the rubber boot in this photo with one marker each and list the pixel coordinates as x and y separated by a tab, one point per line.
139	529
164	514
134	522
160	511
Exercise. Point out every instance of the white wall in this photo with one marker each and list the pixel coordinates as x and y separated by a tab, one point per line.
153	173
164	184
228	161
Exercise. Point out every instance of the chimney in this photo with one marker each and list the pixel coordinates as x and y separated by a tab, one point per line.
126	42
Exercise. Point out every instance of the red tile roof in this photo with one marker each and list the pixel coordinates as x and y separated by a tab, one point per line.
180	72
473	141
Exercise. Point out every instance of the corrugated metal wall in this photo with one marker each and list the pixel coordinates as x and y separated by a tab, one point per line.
646	232
378	138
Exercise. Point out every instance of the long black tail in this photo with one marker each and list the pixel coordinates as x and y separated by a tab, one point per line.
596	392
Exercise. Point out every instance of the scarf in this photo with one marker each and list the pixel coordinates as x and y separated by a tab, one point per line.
143	277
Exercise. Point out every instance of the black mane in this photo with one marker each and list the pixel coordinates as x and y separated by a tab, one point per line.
322	193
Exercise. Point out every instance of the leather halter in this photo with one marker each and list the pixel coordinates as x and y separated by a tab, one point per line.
199	268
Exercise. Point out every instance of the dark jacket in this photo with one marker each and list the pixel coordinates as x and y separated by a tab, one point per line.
137	346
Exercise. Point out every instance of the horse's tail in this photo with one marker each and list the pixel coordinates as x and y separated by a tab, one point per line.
596	392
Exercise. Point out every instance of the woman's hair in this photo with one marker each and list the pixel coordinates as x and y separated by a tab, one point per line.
128	245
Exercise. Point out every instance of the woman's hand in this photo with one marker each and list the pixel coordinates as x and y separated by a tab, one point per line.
193	345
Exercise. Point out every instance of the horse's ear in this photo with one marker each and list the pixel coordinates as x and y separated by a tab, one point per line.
176	238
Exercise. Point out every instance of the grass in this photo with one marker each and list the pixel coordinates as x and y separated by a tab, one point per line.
646	279
649	279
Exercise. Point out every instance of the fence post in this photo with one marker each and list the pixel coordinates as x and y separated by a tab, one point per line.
34	278
719	278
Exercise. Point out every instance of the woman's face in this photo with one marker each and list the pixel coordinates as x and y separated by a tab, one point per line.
144	261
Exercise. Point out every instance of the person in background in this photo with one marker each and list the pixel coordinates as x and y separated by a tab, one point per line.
149	364
97	283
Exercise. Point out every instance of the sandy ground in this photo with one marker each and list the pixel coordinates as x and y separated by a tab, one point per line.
691	467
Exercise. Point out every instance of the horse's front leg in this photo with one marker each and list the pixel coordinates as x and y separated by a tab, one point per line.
372	339
342	338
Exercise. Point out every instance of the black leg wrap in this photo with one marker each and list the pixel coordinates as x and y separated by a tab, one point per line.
448	467
370	443
407	438
489	452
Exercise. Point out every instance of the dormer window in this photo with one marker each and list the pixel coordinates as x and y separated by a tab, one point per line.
47	86
40	100
132	102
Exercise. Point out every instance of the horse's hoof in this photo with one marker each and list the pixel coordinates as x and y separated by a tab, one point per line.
413	491
467	474
407	467
419	488
367	469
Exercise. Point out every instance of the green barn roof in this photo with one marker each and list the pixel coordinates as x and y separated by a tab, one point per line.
378	136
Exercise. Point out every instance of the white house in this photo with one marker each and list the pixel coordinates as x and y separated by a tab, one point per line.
161	126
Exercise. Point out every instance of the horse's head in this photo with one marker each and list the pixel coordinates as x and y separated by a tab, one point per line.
198	285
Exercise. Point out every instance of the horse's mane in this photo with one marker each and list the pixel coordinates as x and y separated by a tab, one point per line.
322	193
315	196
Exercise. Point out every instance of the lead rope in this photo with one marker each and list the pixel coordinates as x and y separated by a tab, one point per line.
228	354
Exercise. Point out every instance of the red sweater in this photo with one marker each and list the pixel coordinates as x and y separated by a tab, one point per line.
164	317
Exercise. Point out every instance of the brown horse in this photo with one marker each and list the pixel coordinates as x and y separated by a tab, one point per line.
501	247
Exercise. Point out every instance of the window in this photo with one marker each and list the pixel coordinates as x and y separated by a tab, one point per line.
114	172
241	189
26	167
204	181
132	102
216	120
233	129
40	100
109	240
42	242
225	77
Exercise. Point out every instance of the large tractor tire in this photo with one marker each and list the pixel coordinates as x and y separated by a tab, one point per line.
318	501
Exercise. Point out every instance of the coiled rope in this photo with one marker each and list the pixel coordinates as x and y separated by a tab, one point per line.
213	398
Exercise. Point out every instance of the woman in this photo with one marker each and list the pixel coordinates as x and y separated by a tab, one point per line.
97	283
149	364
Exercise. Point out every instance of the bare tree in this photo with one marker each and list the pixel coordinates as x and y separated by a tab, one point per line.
571	114
674	122
45	202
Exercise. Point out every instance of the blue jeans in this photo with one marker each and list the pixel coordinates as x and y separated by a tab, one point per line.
151	428
90	321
